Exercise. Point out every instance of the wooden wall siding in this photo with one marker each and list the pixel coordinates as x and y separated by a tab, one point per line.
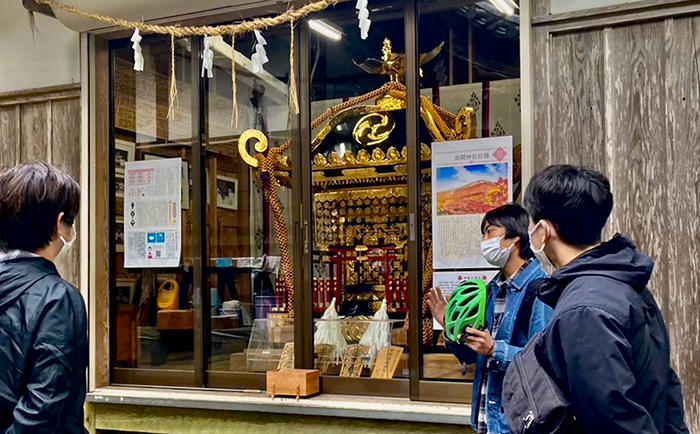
44	126
626	100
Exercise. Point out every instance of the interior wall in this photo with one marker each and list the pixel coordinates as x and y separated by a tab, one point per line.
624	99
51	59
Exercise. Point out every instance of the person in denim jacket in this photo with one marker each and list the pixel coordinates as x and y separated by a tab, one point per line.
513	314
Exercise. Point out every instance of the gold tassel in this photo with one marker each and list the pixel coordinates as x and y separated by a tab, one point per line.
293	99
32	25
173	80
234	89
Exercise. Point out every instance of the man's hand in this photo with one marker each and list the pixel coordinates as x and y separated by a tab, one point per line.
438	305
480	341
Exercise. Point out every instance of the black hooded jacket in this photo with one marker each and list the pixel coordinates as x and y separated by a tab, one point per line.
608	346
43	349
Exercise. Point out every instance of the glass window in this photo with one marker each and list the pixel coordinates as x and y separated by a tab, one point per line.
359	187
250	328
154	325
478	67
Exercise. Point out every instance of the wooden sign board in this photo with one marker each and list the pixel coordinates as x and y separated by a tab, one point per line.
354	361
386	362
323	357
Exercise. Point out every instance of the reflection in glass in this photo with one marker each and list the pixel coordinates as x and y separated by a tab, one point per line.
360	283
154	309
478	68
249	309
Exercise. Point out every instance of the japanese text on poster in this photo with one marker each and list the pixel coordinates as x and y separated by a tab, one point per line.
448	281
470	178
152	217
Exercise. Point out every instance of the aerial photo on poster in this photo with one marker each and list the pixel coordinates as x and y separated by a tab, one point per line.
471	189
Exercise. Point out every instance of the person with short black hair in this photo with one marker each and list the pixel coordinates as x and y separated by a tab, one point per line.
513	313
607	346
43	322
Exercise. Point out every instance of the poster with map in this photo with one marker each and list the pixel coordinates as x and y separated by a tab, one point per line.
470	178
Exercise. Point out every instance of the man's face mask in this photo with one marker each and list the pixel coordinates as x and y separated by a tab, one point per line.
66	243
539	253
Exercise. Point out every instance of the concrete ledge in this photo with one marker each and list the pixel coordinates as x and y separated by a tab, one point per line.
323	405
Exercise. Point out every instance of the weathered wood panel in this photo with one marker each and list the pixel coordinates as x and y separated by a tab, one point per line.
65	154
540	8
35	132
630	102
541	97
9	136
577	94
638	168
682	163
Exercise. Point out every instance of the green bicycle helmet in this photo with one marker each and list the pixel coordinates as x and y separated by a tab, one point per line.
467	308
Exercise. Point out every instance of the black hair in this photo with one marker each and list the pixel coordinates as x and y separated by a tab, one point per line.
515	220
577	201
31	198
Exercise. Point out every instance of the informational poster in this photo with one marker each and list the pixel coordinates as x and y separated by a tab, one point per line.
448	281
470	178
152	216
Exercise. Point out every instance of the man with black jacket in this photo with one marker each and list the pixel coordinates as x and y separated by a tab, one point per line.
607	346
43	323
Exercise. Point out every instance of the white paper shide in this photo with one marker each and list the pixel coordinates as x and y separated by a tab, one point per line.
152	216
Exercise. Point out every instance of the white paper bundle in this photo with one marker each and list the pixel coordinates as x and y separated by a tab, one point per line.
378	334
259	58
329	331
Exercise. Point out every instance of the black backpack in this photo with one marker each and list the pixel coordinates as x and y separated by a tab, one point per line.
533	402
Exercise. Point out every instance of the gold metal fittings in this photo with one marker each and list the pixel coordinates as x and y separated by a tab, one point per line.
373	129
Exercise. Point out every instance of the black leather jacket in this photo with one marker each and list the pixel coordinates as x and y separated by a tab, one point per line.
608	346
43	348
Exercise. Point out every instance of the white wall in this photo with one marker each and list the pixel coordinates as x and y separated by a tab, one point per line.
561	6
53	59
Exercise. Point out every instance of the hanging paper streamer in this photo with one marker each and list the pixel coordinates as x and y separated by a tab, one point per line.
259	58
378	334
329	331
208	59
363	17
138	54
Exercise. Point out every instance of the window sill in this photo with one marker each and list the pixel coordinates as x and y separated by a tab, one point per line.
323	405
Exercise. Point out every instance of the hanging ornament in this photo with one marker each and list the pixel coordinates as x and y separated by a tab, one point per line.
259	58
138	54
378	334
329	331
208	59
363	17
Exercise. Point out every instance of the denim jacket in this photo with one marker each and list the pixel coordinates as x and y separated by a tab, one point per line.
510	339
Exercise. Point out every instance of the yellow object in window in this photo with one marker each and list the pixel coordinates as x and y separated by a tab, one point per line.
169	295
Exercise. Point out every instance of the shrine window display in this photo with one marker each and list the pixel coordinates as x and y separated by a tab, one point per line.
246	291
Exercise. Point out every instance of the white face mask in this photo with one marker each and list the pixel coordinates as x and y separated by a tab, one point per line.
539	253
494	253
68	244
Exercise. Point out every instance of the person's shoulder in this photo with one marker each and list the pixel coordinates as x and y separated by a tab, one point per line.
599	294
60	293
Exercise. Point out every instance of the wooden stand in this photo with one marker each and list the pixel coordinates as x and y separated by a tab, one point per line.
293	382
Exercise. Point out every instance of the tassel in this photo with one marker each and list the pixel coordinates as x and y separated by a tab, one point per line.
32	25
138	54
293	99
173	80
234	89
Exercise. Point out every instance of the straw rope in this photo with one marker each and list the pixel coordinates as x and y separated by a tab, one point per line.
185	31
173	80
293	101
234	87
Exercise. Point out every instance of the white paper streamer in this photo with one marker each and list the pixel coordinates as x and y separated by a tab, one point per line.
363	17
378	334
259	58
138	54
208	59
329	331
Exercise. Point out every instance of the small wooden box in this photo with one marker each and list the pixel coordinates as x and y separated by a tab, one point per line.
175	320
293	382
